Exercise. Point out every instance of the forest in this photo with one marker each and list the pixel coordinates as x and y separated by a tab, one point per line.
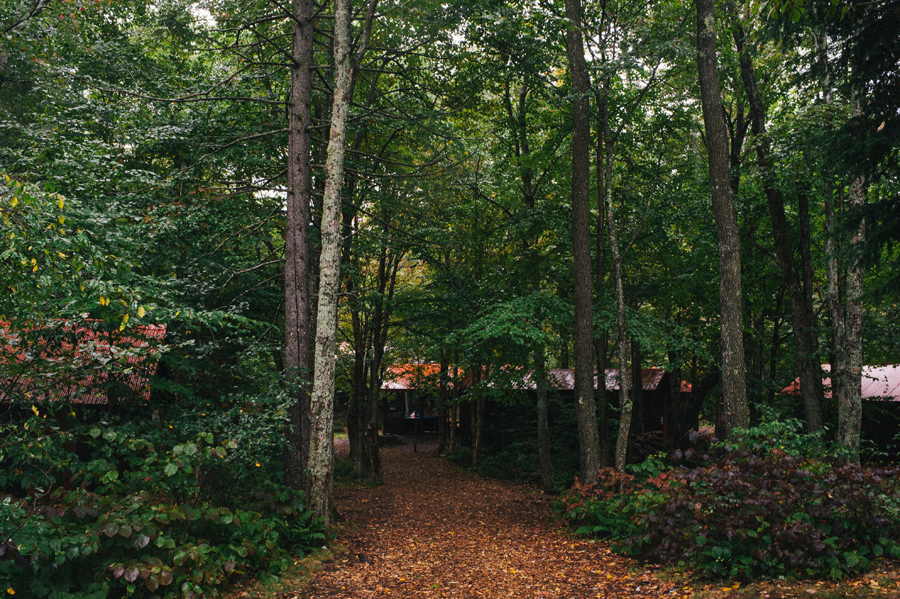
223	224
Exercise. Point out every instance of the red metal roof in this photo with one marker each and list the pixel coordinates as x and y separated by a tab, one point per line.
878	383
83	367
408	377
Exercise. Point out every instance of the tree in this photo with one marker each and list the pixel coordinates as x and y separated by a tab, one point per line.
297	251
585	404
800	293
321	450
733	370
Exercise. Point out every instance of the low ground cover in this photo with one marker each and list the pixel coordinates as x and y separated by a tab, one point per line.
175	509
774	503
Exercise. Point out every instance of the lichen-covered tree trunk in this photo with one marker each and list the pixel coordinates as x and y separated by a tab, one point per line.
585	405
849	355
296	246
734	386
321	445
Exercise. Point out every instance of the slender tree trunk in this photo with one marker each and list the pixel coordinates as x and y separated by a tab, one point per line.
387	279
321	450
601	343
478	410
454	408
443	404
540	375
802	312
357	390
730	296
296	248
638	417
585	406
625	402
850	354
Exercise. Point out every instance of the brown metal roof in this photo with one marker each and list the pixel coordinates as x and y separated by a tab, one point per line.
408	377
878	383
110	358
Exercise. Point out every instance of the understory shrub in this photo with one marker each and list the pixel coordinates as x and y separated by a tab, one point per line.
99	512
765	512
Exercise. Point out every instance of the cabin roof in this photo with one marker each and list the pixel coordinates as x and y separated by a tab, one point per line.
409	377
878	383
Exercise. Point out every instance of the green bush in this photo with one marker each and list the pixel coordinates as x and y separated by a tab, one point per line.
759	510
136	517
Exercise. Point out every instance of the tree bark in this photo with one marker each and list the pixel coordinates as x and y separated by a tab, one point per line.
585	406
321	450
625	403
849	354
296	246
734	387
601	343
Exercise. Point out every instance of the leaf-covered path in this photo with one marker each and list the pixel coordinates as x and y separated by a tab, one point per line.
433	530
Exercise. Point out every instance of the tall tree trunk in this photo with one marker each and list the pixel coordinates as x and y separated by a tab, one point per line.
585	406
850	353
625	402
806	344
387	278
296	247
321	447
734	386
601	343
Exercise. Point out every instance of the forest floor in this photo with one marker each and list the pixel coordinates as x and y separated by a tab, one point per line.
434	530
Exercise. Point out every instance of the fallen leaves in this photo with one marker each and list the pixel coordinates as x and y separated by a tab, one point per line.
433	530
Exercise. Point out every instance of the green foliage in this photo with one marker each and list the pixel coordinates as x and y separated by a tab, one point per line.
759	510
787	435
102	510
510	449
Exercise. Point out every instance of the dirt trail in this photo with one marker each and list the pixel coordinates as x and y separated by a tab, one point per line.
433	530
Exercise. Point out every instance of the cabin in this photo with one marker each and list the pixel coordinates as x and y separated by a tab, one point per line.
407	384
409	391
880	391
78	363
655	409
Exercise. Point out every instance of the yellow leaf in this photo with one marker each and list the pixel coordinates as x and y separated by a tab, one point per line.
141	311
61	255
60	202
62	220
